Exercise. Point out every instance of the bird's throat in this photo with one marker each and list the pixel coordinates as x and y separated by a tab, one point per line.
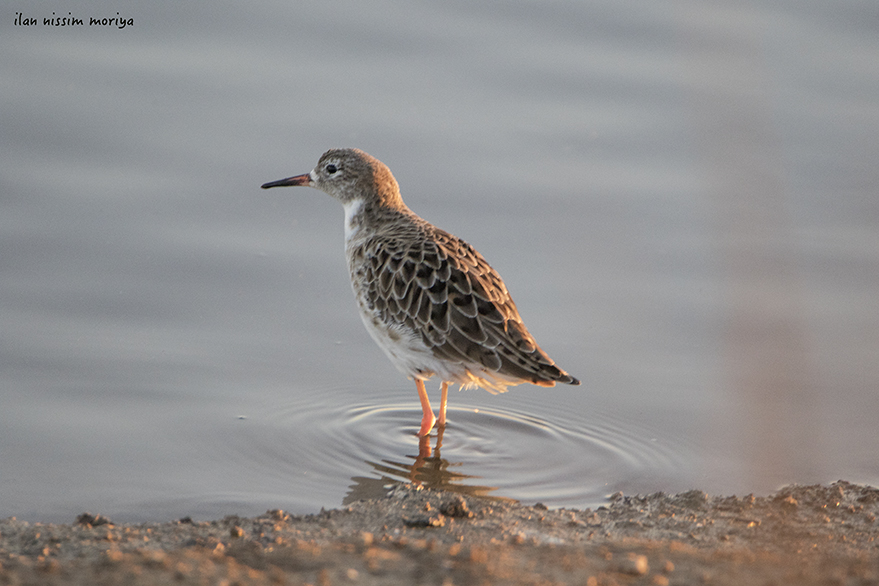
352	218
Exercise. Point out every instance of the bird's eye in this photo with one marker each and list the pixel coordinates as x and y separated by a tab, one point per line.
331	168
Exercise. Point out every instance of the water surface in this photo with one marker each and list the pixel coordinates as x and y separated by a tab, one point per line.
681	199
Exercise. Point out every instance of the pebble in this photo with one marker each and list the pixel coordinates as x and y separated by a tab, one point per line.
634	564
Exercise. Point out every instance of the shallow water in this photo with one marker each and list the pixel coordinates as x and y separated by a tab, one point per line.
682	201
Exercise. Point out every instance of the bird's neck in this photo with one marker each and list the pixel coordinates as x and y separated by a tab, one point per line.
365	216
353	218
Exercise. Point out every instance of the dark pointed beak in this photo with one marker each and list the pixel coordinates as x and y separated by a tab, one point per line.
289	181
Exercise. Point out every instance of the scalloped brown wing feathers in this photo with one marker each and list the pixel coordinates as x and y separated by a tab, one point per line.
441	287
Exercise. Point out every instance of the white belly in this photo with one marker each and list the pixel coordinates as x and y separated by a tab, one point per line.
404	349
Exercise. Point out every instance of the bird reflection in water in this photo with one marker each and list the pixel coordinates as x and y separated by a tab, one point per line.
428	470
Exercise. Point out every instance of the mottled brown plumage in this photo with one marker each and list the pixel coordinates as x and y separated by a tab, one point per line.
429	299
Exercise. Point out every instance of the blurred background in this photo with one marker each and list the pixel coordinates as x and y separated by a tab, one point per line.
681	197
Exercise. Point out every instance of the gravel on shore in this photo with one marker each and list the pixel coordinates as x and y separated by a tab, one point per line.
823	534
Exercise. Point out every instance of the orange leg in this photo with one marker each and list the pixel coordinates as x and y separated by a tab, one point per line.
442	410
428	419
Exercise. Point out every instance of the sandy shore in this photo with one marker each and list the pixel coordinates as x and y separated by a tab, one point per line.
801	535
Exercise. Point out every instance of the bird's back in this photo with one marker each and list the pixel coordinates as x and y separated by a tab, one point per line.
418	280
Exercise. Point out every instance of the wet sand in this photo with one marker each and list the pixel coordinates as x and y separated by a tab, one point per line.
800	535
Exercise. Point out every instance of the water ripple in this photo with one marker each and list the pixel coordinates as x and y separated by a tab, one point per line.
314	449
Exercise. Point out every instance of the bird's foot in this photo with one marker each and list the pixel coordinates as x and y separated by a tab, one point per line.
427	423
